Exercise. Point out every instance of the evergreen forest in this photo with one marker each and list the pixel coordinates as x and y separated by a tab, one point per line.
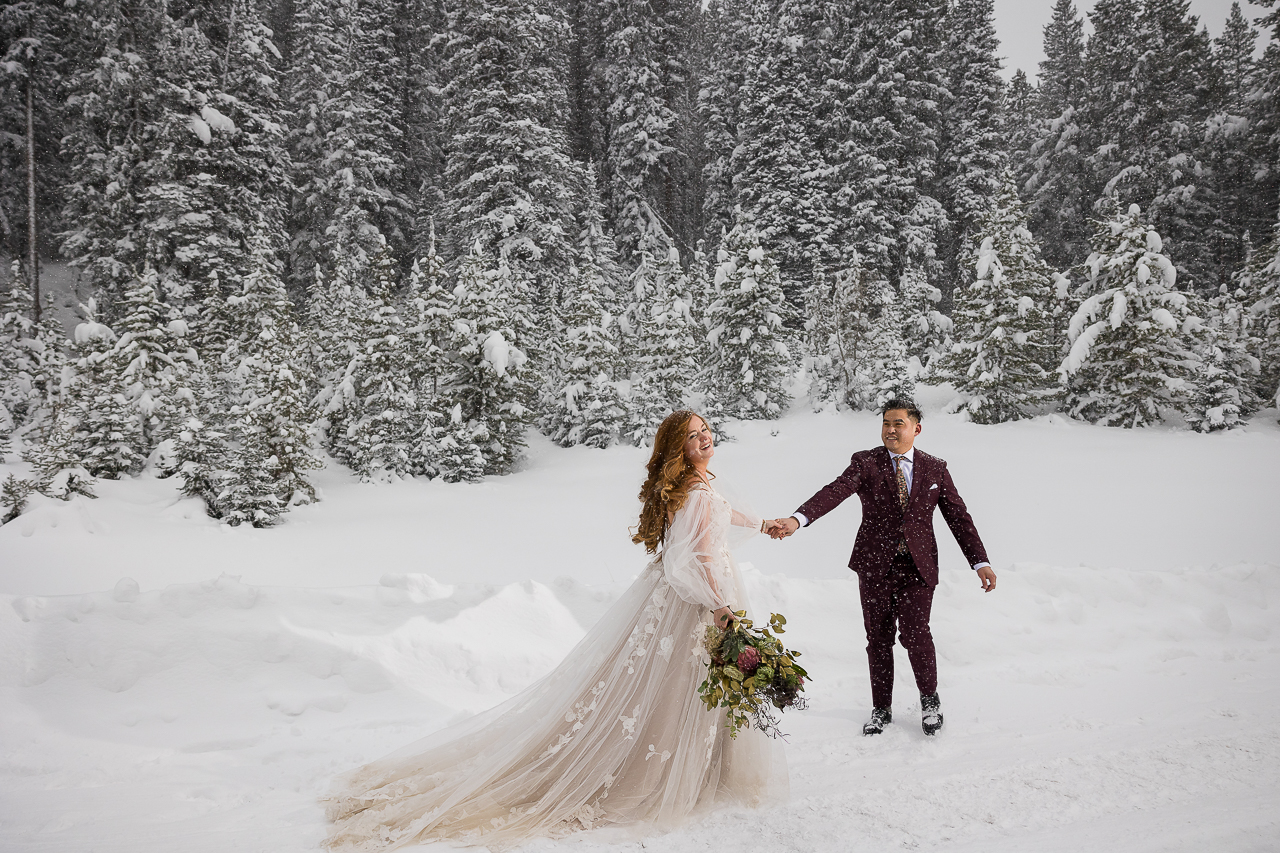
400	235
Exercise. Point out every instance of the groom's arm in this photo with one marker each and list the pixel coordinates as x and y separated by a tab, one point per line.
832	494
956	514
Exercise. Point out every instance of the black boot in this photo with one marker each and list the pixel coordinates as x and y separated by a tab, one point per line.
930	714
880	717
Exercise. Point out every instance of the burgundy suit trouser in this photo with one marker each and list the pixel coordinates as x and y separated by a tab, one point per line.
901	599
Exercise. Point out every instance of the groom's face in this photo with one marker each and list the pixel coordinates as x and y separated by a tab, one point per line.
899	431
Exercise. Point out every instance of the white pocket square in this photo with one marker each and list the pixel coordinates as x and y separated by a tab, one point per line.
934	486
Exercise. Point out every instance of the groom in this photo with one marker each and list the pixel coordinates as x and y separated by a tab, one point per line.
896	555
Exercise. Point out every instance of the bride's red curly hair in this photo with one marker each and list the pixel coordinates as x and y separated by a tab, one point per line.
667	487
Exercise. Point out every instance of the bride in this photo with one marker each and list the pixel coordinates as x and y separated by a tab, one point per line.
617	734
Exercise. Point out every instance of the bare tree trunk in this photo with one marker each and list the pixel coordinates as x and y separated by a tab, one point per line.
33	257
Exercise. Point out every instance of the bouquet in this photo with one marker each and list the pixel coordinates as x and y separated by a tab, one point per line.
751	674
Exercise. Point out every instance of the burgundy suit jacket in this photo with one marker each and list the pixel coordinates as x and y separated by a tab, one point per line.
871	477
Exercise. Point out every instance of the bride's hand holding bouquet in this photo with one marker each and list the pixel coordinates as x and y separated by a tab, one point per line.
751	673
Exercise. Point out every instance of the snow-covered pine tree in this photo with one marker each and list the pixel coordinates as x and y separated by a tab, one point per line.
888	89
723	71
346	84
510	182
926	331
664	366
37	54
840	345
175	145
269	376
1149	72
1233	51
428	304
686	191
459	444
58	458
635	300
15	368
597	267
1226	150
1132	356
1061	76
372	414
549	342
105	430
21	355
597	253
490	379
417	88
641	66
1055	178
588	408
1060	308
1224	395
1016	121
702	292
750	360
1218	401
1260	286
820	363
248	493
250	465
151	358
379	442
104	195
32	358
13	497
783	183
257	169
1107	111
201	450
583	56
1002	328
890	371
531	323
972	147
339	311
1264	129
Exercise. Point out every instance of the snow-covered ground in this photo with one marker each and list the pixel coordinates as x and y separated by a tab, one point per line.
169	684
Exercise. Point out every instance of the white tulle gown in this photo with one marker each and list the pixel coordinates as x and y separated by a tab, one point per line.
616	735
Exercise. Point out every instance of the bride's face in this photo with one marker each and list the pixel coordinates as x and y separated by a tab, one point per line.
699	443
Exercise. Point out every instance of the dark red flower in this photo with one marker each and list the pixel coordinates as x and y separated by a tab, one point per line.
748	660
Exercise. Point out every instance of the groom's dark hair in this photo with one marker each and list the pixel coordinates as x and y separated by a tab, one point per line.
912	410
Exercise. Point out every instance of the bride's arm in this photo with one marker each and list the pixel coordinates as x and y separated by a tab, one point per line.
747	519
691	553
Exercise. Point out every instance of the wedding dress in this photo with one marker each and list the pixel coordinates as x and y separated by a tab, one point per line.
615	735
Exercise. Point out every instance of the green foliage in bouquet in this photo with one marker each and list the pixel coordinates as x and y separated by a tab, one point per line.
752	674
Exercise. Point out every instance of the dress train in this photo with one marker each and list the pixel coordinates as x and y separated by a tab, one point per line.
615	735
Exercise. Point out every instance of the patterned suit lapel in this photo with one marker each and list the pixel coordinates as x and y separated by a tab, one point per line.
885	462
919	478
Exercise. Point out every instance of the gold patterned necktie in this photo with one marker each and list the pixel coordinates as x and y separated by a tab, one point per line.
903	495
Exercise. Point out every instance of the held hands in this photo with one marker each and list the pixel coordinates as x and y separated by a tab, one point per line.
781	528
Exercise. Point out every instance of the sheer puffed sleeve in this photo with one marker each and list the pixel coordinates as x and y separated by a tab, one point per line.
744	523
692	551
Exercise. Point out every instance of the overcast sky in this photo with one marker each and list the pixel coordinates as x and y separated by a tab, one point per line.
1020	26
